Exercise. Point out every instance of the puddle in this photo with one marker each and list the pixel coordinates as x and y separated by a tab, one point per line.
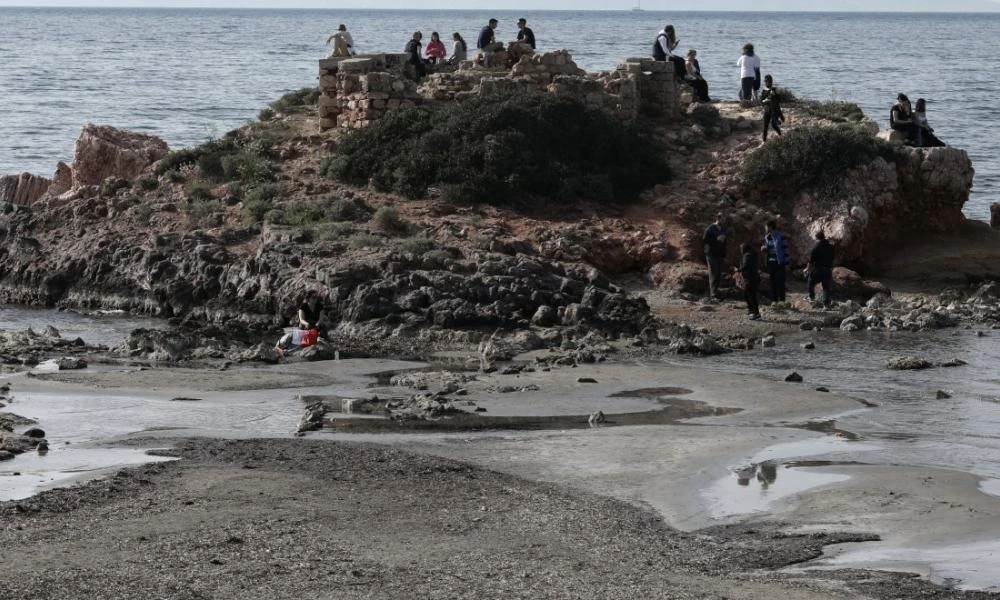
755	487
990	486
970	566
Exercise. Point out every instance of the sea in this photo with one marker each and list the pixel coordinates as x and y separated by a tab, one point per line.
188	75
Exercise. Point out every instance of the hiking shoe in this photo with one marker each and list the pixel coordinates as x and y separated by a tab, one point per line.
754	317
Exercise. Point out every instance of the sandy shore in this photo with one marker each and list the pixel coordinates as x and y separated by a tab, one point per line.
650	510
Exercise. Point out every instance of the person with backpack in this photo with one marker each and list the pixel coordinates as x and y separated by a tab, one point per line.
663	50
820	269
771	100
776	247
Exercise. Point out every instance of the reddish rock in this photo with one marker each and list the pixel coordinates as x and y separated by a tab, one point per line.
680	277
63	180
103	151
849	285
23	189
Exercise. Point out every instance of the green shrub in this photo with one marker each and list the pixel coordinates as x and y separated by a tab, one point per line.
192	156
503	150
143	214
248	166
838	111
303	97
265	115
387	220
706	115
333	231
147	183
812	157
111	185
365	240
202	213
417	245
175	176
260	200
210	165
197	190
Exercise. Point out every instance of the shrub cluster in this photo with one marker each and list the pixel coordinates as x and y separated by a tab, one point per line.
812	157
838	111
307	96
503	150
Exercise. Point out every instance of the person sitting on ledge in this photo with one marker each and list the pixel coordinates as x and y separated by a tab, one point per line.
524	33
488	43
927	137
459	50
663	50
413	48
901	120
343	43
694	78
435	50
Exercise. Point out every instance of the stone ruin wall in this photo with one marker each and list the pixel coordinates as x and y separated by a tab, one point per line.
358	90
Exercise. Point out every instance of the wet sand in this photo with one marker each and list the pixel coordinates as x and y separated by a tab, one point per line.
679	472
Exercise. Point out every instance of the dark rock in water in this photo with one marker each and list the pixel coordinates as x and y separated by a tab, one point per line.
480	409
51	331
71	363
768	341
313	417
808	346
596	419
42	447
264	353
823	389
793	377
807	326
908	363
955	362
943	395
183	399
34	432
5	455
586	380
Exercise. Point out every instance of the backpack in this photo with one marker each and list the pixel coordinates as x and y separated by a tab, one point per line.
658	53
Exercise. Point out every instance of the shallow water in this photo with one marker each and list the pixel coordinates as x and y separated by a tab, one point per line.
96	329
191	74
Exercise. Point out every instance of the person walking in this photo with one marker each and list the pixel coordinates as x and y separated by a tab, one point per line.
776	247
771	100
749	64
714	241
820	269
751	280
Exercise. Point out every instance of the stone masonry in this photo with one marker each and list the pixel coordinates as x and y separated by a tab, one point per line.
358	90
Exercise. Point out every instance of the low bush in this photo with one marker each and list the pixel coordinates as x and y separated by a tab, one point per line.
812	157
365	240
516	149
203	213
143	214
258	201
210	165
265	115
387	220
838	111
197	190
147	183
303	97
417	245
334	230
248	166
192	156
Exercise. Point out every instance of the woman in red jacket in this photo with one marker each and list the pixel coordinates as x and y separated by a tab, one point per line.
435	49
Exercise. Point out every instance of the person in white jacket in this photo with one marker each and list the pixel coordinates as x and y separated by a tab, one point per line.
343	43
749	64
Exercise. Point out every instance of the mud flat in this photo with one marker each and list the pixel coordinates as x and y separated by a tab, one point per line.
649	509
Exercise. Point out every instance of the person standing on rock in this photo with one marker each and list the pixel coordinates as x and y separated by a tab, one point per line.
771	101
715	254
820	269
749	64
776	247
751	280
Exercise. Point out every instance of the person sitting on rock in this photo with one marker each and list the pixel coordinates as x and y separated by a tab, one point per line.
751	279
715	254
694	78
927	137
901	120
413	48
435	50
819	270
296	340
770	99
343	43
524	33
459	49
487	43
310	314
749	64
663	50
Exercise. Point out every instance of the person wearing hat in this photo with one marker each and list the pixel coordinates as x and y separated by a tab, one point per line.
524	33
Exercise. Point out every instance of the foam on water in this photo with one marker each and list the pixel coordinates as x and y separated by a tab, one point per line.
191	74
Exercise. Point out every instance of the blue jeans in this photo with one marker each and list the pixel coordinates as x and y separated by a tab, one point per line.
746	88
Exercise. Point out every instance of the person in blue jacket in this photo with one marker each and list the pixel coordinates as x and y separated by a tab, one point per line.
776	247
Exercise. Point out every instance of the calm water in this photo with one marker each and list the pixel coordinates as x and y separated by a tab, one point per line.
188	75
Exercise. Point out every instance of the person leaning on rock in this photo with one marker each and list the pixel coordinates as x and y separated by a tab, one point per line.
715	254
820	269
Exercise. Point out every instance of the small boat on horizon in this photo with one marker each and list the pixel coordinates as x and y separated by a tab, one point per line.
637	7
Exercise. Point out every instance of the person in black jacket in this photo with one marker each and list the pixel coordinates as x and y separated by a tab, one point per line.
751	279
714	241
414	50
820	269
771	101
524	33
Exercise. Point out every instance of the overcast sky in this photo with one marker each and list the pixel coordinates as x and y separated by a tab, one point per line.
791	5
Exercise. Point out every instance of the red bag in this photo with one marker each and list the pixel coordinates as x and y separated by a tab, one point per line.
310	337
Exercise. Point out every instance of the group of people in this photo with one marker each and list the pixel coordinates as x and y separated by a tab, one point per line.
818	270
912	123
486	44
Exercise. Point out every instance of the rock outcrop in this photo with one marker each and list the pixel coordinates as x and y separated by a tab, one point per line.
103	151
23	189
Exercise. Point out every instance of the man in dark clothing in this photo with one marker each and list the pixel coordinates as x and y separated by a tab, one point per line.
715	254
751	280
311	311
487	37
524	34
820	269
413	48
776	247
771	100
